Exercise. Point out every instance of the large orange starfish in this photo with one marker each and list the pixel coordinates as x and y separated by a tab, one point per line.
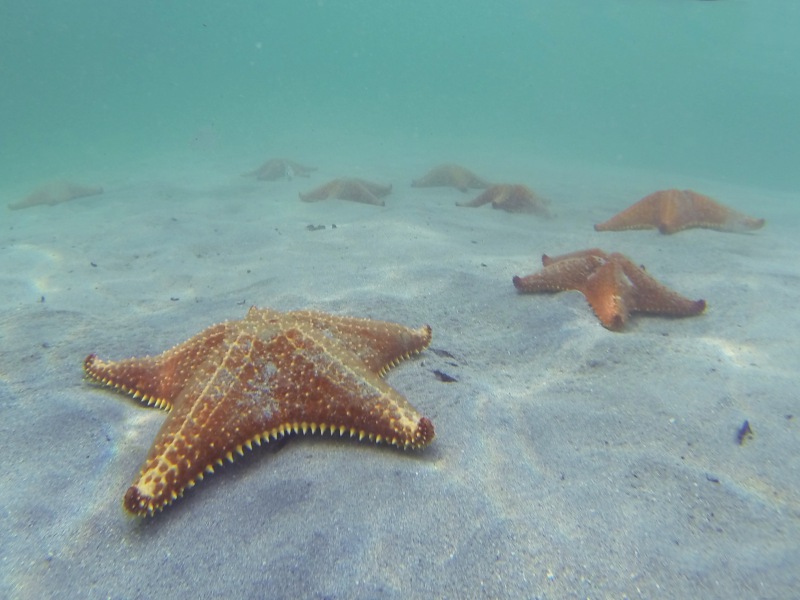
452	176
243	382
613	285
56	193
673	210
280	168
357	190
511	198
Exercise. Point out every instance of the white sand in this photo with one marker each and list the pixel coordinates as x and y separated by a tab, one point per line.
569	461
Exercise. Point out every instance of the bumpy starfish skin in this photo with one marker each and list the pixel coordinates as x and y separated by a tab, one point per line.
511	198
357	190
451	176
280	168
243	382
673	210
56	193
612	284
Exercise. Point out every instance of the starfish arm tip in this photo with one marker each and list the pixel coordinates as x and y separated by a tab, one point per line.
89	361
136	504
425	433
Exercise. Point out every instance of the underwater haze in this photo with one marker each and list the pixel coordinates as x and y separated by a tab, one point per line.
596	383
708	88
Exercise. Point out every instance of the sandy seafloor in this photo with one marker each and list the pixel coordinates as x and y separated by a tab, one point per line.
569	461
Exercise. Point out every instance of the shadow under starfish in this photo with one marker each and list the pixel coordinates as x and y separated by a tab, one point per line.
357	190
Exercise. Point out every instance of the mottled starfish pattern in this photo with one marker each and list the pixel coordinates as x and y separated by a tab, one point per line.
56	193
239	383
280	168
451	176
612	284
357	190
511	198
673	210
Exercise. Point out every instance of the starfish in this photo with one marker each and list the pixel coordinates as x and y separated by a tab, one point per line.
280	168
511	198
239	383
357	190
56	193
674	210
613	285
453	176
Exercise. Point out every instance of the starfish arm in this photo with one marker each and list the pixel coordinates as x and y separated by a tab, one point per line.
56	193
521	199
484	198
156	380
322	192
450	175
515	198
739	223
379	344
642	215
608	292
226	404
277	171
561	275
691	210
650	296
272	169
438	176
340	391
356	191
376	189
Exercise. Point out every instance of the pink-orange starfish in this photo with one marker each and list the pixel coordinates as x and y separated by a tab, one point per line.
357	190
451	176
56	193
613	285
673	210
511	198
243	382
280	168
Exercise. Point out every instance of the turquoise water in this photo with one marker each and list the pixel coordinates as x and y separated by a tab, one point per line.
570	461
701	88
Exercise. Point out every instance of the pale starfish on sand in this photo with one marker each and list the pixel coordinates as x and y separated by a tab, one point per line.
56	193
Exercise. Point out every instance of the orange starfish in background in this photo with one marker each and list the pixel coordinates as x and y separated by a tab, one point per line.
612	284
451	176
511	198
280	168
674	210
243	382
357	190
56	193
